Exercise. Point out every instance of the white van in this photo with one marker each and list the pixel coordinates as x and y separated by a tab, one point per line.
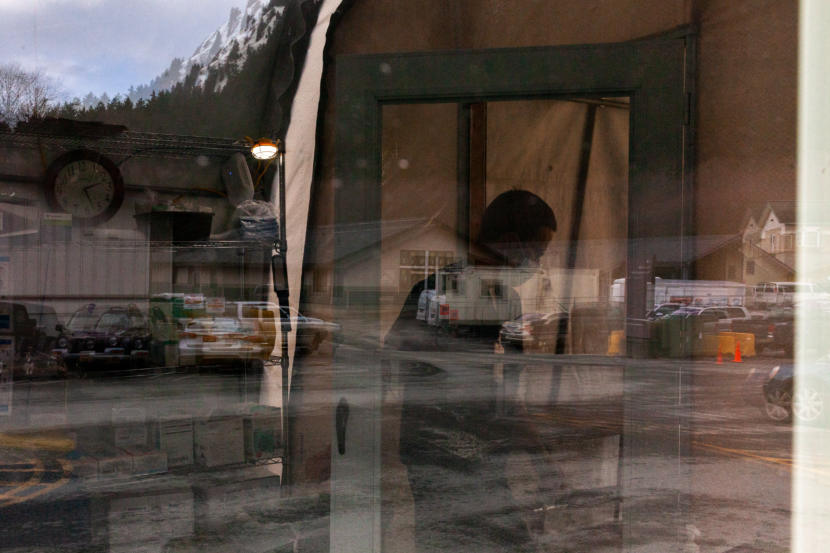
783	293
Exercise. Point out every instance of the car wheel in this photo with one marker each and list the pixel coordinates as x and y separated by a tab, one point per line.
778	405
808	404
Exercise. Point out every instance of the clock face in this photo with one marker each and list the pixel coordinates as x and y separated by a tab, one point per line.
85	184
84	188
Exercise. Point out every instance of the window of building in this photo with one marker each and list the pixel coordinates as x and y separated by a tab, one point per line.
417	265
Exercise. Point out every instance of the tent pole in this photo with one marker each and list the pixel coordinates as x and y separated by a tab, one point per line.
279	269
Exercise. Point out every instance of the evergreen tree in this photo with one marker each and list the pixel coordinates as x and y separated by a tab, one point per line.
90	100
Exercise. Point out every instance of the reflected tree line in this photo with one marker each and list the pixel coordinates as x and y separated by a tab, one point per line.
229	101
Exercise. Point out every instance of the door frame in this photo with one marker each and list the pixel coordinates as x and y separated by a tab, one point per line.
655	73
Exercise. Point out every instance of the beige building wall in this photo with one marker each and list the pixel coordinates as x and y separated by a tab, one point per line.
746	77
746	108
745	117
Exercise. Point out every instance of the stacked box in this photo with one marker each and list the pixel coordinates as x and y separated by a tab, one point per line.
129	426
147	460
112	462
217	440
174	436
263	433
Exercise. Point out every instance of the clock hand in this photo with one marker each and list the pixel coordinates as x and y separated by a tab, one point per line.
86	191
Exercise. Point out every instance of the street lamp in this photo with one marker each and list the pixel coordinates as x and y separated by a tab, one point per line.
267	149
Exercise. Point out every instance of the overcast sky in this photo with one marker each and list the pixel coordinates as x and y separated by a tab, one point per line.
105	45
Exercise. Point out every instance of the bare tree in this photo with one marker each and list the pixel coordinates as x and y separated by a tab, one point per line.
24	94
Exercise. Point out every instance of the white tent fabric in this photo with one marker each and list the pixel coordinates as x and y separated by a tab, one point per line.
300	142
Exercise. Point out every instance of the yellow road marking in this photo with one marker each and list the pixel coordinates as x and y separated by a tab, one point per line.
14	497
7	498
41	442
744	453
788	464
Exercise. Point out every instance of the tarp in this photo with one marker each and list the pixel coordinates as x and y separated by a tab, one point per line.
300	143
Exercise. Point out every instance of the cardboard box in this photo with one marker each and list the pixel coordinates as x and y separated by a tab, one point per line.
111	462
147	460
218	440
263	433
174	436
129	426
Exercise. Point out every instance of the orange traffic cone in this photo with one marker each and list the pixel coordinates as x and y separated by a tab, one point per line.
719	360
737	352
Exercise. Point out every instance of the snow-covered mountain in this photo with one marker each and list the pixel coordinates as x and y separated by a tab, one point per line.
243	33
228	47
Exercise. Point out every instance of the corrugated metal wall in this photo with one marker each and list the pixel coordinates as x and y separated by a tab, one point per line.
67	275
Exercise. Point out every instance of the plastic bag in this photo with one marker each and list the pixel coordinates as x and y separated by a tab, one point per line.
258	220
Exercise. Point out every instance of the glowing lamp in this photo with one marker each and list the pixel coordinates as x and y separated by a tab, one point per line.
264	149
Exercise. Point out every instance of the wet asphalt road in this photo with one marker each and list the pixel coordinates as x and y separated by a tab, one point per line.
717	463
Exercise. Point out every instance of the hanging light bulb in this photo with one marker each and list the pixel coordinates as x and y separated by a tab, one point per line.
264	148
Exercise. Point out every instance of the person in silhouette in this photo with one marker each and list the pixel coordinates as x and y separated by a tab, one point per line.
459	433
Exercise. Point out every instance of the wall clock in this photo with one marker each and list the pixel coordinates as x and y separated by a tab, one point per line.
85	184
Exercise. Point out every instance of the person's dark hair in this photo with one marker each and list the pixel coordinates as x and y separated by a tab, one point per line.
517	213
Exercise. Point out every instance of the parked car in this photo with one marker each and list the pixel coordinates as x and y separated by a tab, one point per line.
537	331
726	316
264	317
96	337
705	319
786	293
808	403
663	310
259	315
311	331
773	329
518	332
220	340
686	311
778	393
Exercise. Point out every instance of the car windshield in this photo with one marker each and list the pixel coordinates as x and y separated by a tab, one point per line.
530	317
82	320
113	321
